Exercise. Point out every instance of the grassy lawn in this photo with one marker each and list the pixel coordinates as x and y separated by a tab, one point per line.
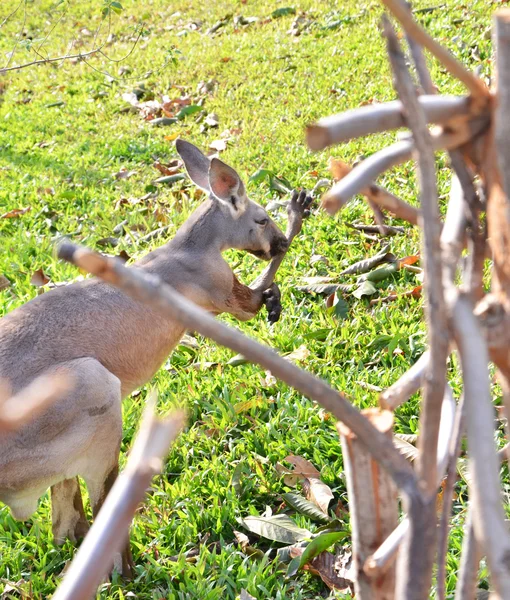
82	165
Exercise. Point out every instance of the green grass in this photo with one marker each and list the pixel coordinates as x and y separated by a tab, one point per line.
60	161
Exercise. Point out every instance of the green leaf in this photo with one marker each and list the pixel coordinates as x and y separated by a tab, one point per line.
188	110
305	507
340	308
279	184
381	273
260	175
279	528
367	288
237	360
319	544
283	12
117	7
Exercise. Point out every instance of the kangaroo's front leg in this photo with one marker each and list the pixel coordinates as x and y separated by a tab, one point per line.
297	210
245	302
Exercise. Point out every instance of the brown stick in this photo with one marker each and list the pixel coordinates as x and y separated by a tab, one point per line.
376	118
366	172
373	506
475	85
416	569
489	518
110	529
149	289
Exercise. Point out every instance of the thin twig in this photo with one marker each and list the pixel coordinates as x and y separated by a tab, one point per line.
149	289
110	529
377	118
489	517
475	85
419	61
451	478
416	565
467	577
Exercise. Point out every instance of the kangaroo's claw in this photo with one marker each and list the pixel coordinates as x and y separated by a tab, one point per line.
272	301
300	203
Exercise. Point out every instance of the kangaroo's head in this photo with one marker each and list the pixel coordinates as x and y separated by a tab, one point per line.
246	225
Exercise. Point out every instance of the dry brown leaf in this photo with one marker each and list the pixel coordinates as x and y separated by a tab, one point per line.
302	468
414	293
39	278
4	283
318	492
408	260
15	212
167	170
338	168
326	566
225	59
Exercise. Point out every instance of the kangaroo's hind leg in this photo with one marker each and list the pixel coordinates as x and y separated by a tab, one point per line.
67	515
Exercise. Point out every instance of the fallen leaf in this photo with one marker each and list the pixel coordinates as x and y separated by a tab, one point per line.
166	169
306	507
405	448
212	120
218	145
367	288
108	242
338	168
318	492
39	278
414	293
318	545
15	212
283	12
279	528
302	468
299	354
124	173
367	264
225	59
4	283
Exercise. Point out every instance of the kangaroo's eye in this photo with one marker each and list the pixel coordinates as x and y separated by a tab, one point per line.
263	221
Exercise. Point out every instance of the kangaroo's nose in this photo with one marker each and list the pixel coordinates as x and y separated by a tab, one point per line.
279	245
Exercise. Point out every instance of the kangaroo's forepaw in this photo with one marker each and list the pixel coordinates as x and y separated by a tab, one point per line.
272	301
300	203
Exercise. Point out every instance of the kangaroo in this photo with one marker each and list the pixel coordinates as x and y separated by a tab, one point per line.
108	345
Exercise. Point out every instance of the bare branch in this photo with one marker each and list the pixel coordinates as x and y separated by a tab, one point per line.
502	110
489	517
415	568
419	61
149	289
475	85
27	404
376	118
366	172
110	529
410	382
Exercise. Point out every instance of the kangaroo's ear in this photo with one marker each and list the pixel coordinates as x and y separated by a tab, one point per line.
227	186
196	163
